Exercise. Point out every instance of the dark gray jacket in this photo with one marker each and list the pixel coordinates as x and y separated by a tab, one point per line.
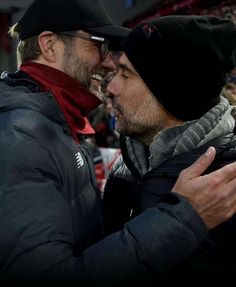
50	208
213	259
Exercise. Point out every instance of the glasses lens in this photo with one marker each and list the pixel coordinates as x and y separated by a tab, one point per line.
104	49
101	42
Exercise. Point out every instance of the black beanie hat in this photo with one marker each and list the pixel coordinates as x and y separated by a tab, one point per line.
68	15
184	60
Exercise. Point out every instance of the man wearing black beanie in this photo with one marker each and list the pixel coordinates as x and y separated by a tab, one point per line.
166	96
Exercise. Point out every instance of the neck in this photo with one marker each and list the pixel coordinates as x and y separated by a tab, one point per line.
147	137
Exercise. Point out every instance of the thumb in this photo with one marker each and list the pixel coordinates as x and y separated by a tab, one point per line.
201	164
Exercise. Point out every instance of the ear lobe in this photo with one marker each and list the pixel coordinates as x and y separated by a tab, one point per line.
46	42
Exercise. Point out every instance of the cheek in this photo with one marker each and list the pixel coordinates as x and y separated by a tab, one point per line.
130	96
141	103
93	56
95	59
134	96
129	105
90	56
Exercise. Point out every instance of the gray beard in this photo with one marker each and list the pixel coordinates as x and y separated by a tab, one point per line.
76	68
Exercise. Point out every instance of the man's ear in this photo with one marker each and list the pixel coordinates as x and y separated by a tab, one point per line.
46	42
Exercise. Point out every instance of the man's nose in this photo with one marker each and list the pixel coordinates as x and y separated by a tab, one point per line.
106	82
112	88
109	63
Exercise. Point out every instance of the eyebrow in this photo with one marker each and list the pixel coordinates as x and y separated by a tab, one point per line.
124	67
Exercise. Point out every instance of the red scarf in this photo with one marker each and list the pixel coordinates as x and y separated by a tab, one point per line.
75	101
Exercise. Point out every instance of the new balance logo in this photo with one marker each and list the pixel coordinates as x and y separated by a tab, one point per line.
79	160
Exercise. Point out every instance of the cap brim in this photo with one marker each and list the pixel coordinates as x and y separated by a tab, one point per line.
109	31
115	34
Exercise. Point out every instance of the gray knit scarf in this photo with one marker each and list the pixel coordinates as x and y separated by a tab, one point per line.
171	142
218	121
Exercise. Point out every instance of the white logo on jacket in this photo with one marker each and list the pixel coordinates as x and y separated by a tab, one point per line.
79	160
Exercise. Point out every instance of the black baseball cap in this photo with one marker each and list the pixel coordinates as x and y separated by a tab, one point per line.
68	15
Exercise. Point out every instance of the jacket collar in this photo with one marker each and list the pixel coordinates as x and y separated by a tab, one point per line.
74	100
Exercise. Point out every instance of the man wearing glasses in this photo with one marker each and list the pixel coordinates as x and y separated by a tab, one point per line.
50	207
101	42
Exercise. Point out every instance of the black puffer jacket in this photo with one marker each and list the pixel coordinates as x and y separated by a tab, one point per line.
50	208
215	257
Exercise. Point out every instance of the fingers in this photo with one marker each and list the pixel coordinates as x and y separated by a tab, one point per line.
225	174
222	207
201	164
212	195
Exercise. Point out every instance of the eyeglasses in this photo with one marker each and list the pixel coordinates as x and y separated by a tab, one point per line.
104	43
